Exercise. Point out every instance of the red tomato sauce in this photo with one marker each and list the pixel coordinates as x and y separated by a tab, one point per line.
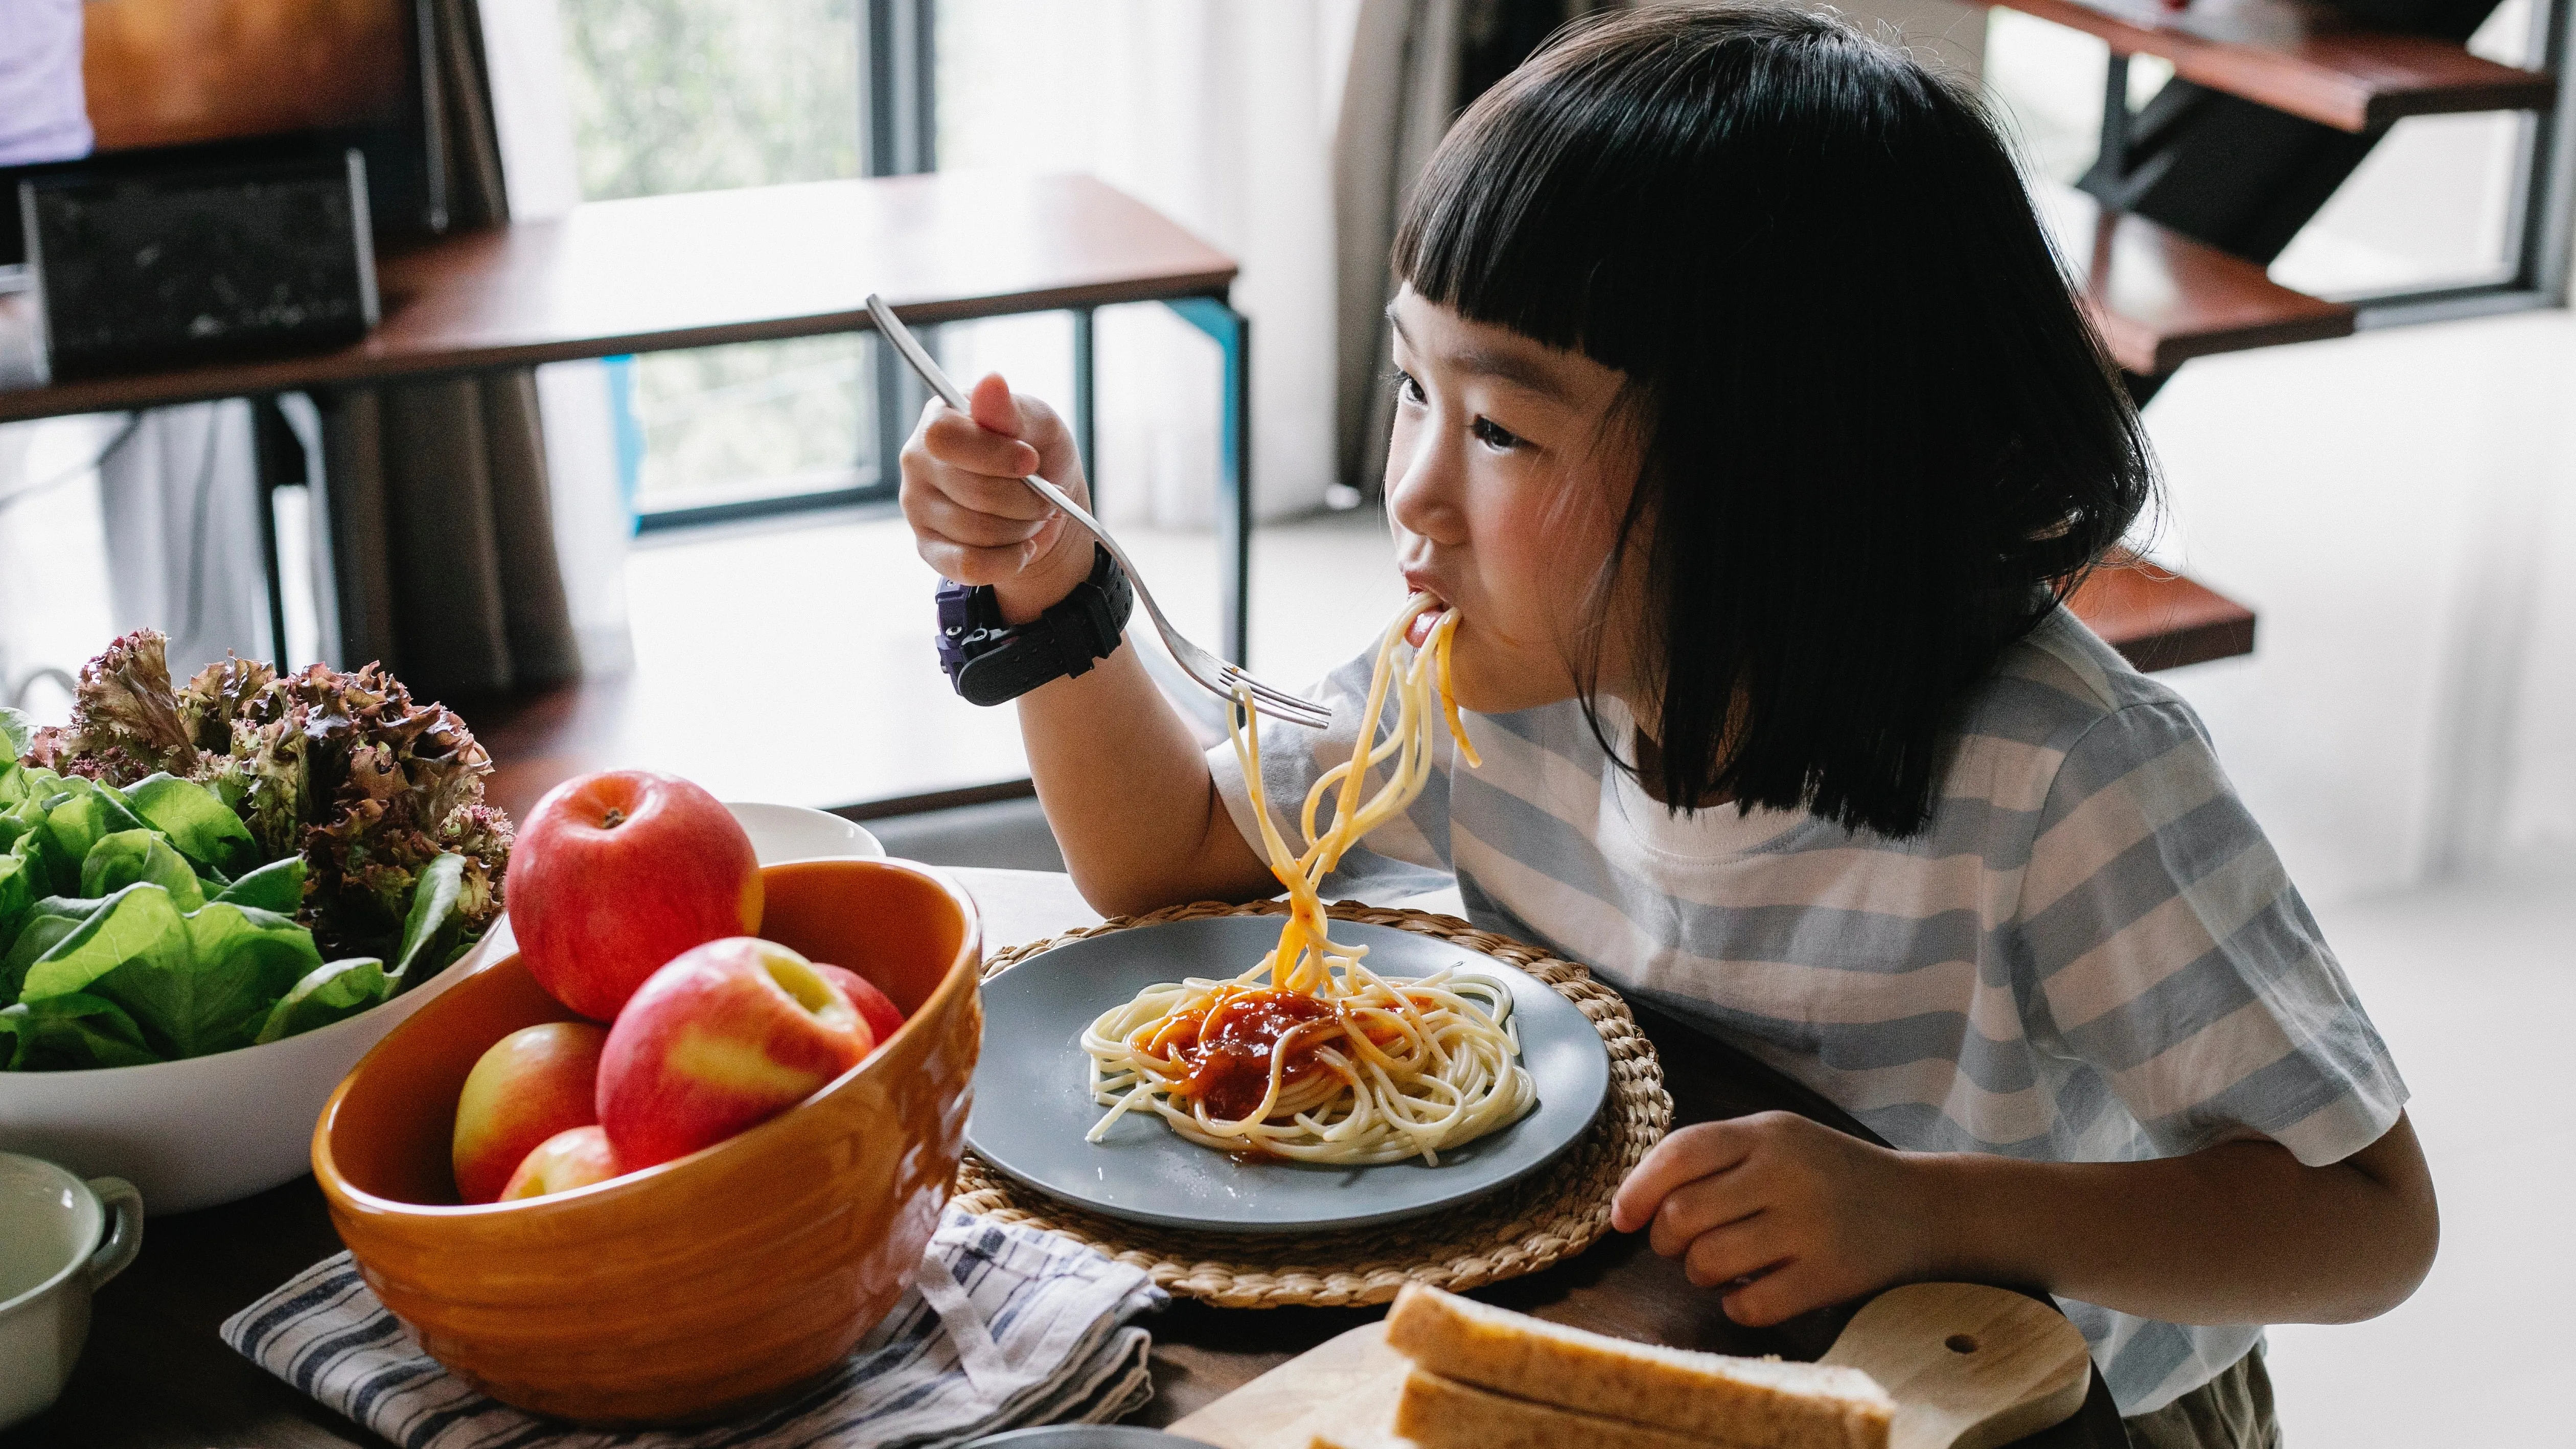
1226	1050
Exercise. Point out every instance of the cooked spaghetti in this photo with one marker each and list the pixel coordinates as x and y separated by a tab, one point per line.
1310	1055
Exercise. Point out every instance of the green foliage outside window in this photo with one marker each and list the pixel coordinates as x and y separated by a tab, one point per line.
702	95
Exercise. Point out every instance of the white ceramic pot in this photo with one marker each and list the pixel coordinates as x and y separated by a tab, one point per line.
206	1130
60	1238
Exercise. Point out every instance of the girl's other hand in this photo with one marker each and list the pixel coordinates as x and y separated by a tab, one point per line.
974	520
1780	1214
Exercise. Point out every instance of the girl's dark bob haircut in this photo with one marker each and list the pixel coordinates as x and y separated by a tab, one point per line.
1879	441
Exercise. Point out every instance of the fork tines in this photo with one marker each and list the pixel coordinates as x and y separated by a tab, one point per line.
1305	711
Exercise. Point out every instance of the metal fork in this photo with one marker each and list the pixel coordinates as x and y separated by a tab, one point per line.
1204	669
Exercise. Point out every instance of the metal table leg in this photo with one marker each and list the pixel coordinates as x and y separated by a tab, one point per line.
1233	333
273	466
1084	434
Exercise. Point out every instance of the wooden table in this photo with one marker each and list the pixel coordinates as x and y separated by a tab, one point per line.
155	1376
758	264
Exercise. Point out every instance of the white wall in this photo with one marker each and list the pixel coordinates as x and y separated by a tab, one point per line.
523	44
2397	508
1216	113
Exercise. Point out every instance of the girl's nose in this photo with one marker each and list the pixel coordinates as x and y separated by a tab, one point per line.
1422	485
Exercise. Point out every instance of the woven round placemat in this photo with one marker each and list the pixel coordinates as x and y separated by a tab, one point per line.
1534	1223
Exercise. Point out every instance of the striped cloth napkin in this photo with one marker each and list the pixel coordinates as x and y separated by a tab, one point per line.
1004	1326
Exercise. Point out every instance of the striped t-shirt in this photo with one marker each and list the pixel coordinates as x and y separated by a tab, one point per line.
2091	955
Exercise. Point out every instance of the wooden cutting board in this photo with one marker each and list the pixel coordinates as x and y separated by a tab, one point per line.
1969	1367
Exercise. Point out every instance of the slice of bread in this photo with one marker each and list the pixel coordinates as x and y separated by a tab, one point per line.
1753	1403
1442	1413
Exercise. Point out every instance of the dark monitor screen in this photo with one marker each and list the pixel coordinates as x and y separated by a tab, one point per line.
118	85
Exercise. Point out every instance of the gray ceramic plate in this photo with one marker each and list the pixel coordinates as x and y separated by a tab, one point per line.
1033	1089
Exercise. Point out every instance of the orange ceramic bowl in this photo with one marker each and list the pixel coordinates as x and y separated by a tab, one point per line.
707	1283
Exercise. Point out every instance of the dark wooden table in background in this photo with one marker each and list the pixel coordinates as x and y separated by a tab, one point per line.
714	267
757	264
156	1376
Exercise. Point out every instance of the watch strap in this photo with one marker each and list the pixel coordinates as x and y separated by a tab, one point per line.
989	662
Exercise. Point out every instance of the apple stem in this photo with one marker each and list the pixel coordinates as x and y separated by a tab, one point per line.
614	818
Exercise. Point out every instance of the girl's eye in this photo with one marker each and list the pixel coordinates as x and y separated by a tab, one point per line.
1407	390
1494	435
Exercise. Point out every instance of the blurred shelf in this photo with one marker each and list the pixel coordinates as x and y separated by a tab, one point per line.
2304	58
2160	298
711	267
2158	619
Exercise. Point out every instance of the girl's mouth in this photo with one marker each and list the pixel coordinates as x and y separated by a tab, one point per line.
1418	632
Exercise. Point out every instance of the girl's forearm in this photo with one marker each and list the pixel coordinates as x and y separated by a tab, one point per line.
1129	795
2238	1233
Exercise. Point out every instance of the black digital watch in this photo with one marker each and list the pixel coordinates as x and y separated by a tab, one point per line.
990	662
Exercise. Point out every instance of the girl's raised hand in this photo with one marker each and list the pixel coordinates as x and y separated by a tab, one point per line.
1779	1214
974	520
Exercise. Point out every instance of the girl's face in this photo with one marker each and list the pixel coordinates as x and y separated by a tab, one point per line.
1505	482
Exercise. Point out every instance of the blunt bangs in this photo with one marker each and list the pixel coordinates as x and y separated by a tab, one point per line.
1816	267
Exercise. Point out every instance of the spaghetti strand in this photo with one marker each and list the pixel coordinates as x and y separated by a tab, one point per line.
1310	1055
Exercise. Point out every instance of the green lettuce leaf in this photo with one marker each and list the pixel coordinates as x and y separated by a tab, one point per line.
214	991
119	860
46	923
85	813
328	993
77	1032
137	923
435	926
199	825
49	871
277	886
17	898
15	730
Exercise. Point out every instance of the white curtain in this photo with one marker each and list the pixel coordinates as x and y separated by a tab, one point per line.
523	48
2399	508
1219	114
182	520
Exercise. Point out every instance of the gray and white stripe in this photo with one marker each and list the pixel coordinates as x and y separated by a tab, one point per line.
1005	1326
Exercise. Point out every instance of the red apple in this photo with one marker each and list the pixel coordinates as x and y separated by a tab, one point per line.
573	1158
877	1009
729	1035
616	873
531	1085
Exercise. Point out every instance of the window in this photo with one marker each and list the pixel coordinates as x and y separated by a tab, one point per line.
698	95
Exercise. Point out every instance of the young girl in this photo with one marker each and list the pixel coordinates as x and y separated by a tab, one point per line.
1746	423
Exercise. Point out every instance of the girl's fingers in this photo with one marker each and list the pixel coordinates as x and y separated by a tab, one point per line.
1778	1296
993	406
939	516
970	565
1722	1255
1693	1152
1695	1208
952	438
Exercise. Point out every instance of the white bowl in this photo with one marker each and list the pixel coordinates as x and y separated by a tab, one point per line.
206	1130
792	832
